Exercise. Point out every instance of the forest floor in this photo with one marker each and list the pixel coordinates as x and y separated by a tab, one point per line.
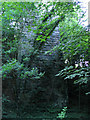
73	112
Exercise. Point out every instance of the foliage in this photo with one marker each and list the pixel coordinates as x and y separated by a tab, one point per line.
22	77
18	79
73	37
15	66
62	114
12	27
80	75
73	41
75	47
